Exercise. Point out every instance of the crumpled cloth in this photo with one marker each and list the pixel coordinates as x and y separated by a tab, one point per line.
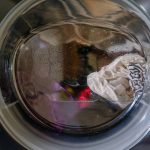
121	80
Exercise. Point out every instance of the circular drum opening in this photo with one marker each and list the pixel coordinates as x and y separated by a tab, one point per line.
77	67
79	78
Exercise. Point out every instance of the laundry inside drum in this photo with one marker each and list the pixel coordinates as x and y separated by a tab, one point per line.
79	78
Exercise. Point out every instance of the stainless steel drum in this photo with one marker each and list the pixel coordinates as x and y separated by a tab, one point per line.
75	74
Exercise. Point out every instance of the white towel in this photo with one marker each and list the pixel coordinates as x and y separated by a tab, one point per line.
119	81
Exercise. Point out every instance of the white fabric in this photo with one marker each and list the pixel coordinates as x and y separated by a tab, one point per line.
113	82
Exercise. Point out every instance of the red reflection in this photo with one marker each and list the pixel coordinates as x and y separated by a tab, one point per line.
84	96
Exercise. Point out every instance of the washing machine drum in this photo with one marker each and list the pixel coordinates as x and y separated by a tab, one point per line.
74	74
